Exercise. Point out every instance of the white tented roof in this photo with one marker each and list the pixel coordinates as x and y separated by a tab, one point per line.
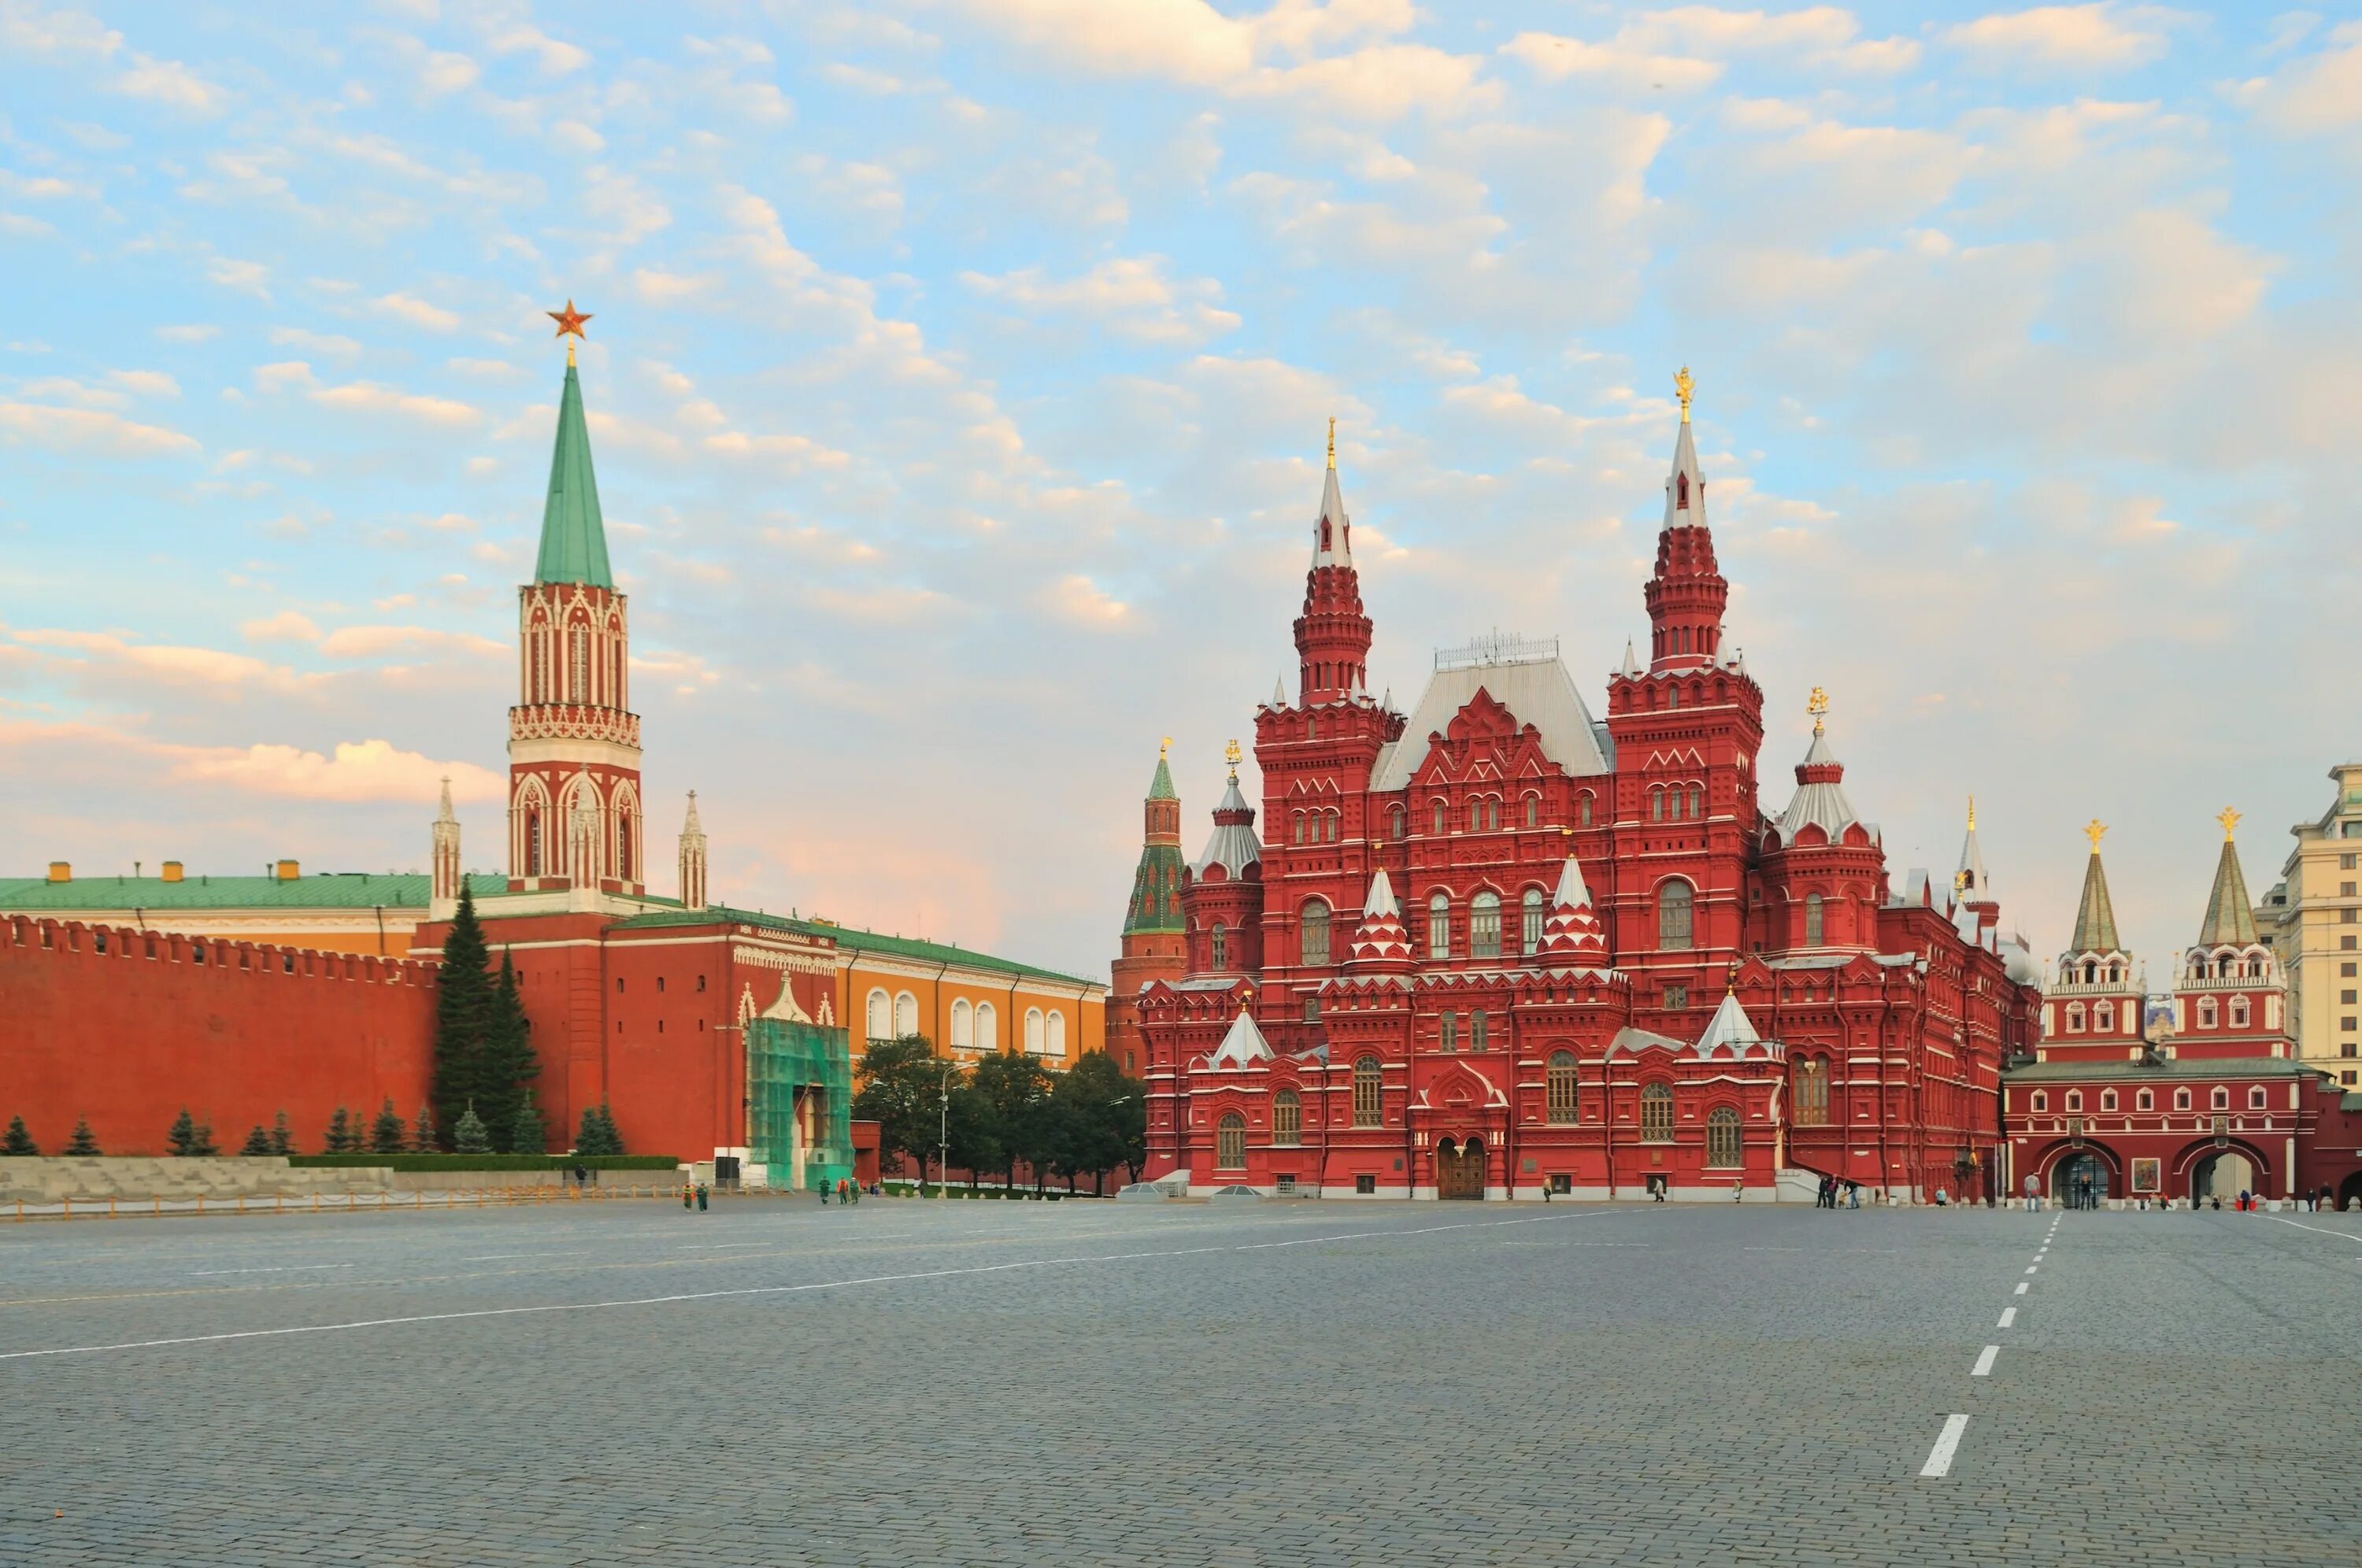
1243	1044
1539	691
1729	1030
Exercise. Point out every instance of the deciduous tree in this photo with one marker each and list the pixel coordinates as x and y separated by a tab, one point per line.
902	1084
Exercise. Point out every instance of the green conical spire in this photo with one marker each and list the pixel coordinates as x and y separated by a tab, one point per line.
1161	787
573	534
2230	918
2095	919
1156	886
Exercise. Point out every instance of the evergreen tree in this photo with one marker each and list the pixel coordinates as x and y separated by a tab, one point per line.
530	1134
507	1067
202	1143
463	1008
597	1135
340	1133
182	1141
469	1135
257	1143
387	1134
18	1141
422	1137
82	1143
282	1137
609	1131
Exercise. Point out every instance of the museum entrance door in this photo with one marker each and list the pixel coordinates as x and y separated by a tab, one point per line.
1459	1171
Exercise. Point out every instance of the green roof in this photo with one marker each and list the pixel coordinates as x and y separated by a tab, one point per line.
1160	788
343	890
2167	1069
1156	891
850	938
2095	918
573	534
2229	918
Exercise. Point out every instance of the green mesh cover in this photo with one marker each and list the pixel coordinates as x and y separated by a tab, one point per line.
786	1062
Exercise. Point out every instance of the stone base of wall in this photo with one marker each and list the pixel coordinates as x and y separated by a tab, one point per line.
56	1178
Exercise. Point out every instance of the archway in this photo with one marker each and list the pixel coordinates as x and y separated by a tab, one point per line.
2224	1174
1460	1170
2079	1180
2349	1191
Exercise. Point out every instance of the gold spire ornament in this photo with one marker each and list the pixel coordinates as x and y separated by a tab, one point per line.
569	324
1972	813
1163	747
1230	753
2230	820
1816	705
1683	384
2095	830
1333	441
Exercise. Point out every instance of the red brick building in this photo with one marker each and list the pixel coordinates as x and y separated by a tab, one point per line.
2212	1104
1494	944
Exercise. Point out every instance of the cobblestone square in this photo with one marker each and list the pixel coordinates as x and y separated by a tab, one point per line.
1285	1384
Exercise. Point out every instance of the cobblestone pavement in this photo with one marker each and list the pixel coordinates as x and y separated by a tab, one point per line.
1287	1384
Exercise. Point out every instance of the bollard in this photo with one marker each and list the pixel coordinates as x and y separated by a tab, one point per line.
69	1209
110	1206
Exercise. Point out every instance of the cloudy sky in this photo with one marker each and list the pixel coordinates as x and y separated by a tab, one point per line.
959	377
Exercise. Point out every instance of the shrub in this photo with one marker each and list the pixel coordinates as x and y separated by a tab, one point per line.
257	1142
487	1161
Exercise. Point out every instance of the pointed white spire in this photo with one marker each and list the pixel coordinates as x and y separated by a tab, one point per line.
443	890
1243	1044
1684	486
445	814
1971	882
1332	531
1381	901
1572	893
1631	670
692	858
1279	692
1729	1030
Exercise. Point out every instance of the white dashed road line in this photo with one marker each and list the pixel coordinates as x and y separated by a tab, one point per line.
2021	1288
2008	1316
1940	1458
1985	1362
281	1268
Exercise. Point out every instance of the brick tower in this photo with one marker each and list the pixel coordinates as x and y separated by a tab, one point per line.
1153	934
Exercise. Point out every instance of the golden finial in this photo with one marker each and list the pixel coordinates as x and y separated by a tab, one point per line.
569	324
1960	880
1816	705
1682	384
2095	830
1230	753
2230	820
1163	747
1972	813
1332	440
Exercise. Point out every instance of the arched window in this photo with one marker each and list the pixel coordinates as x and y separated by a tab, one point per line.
2075	1018
1657	803
1231	1141
1287	1119
906	1013
578	663
1530	934
1697	802
624	845
1057	1032
1485	925
1439	926
2221	1099
2104	1018
963	1026
1722	1139
1583	809
1656	1114
2182	1099
1398	822
2207	1015
1559	1084
2255	1098
1299	827
1034	1030
1368	1098
1813	1092
537	687
1438	818
533	843
1533	811
1813	926
1675	900
1475	816
988	1027
2147	1101
1219	941
1313	932
2238	1012
1493	815
881	1016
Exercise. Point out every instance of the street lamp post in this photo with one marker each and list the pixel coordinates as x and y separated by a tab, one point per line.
943	1130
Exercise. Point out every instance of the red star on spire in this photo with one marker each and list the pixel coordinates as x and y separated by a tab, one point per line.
569	320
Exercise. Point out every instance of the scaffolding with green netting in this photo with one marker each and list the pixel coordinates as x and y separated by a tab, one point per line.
800	1093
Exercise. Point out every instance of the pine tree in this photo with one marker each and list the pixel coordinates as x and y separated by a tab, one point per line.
82	1143
530	1134
422	1137
257	1142
463	1008
18	1141
387	1134
340	1133
469	1135
182	1141
586	1136
507	1068
282	1137
202	1143
611	1135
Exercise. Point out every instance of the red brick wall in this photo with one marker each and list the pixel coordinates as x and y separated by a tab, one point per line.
125	1028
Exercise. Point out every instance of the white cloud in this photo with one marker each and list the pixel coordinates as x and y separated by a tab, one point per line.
286	626
1077	600
355	771
88	430
375	398
171	83
555	57
25	29
417	312
1557	59
191	333
245	277
1132	297
2316	93
441	74
334	345
145	384
2064	37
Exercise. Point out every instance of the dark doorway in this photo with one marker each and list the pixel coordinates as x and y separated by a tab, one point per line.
1459	1172
2080	1180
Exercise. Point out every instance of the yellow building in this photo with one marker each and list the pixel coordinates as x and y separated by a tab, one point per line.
2313	918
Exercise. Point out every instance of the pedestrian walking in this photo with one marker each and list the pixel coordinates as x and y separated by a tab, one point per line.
700	1197
1853	1194
2033	1194
685	1199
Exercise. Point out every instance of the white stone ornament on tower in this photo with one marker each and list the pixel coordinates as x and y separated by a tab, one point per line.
692	859
443	895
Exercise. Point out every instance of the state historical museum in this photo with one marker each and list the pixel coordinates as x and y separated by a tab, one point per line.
1497	947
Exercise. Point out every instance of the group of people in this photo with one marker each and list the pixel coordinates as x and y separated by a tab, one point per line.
848	1191
1836	1194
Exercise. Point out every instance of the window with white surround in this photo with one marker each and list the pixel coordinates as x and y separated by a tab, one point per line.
1035	1030
906	1013
988	1027
880	1020
963	1025
1057	1032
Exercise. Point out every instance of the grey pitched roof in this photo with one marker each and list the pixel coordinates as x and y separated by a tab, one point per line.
2229	918
1538	691
1821	802
1233	846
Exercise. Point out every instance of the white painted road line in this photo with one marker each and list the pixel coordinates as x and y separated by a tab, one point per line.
1940	1458
2317	1230
2031	1267
1985	1362
2008	1316
283	1268
2021	1288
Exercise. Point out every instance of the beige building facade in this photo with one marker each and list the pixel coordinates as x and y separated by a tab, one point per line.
2313	918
